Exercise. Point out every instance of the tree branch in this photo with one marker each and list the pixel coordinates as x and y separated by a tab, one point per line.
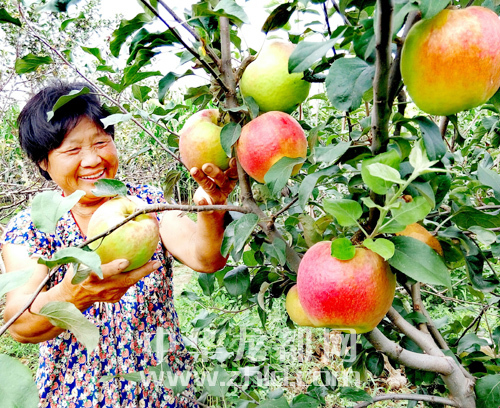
418	361
409	397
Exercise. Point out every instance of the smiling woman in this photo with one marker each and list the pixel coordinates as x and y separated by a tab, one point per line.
129	308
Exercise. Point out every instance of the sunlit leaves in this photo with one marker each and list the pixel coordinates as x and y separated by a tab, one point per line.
48	207
347	212
229	135
5	17
381	246
76	256
347	81
411	212
12	280
373	176
279	17
66	316
17	388
237	233
419	261
30	63
434	144
127	28
307	53
109	188
280	172
343	249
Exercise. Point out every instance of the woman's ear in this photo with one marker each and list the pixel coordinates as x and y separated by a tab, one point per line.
43	165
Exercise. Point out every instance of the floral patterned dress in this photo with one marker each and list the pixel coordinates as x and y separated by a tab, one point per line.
70	375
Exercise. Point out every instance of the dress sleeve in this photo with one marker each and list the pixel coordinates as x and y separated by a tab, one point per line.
22	231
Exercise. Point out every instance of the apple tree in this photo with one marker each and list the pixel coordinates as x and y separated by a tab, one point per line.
381	174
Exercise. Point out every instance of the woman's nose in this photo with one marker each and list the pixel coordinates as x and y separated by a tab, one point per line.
90	158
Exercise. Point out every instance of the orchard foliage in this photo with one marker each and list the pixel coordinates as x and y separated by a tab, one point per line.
375	164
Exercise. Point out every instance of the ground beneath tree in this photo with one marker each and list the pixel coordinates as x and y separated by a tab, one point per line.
182	276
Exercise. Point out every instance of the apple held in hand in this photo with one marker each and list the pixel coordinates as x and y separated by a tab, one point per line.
451	62
199	141
268	82
268	138
345	295
135	241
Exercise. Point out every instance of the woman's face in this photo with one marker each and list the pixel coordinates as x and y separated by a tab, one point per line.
86	155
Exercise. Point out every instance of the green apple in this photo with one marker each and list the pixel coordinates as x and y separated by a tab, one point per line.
451	62
135	241
199	141
268	82
345	295
268	138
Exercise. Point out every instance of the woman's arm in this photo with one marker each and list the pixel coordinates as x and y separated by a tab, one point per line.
198	245
31	328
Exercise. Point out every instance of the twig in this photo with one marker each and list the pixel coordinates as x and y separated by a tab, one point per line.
186	46
285	208
477	320
409	397
188	28
337	9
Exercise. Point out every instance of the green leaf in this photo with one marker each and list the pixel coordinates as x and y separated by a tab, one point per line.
375	363
330	154
275	403
203	319
131	75
311	234
484	235
229	135
385	172
347	212
160	343
381	246
5	17
74	255
17	388
207	283
378	185
279	17
276	250
237	233
489	178
304	401
347	81
229	8
109	188
167	81
63	100
66	316
237	281
30	63
126	28
48	208
96	52
177	383
116	118
343	249
434	144
307	53
467	217
475	267
488	391
309	182
217	382
280	172
221	354
470	343
354	394
411	212
430	8
419	261
12	280
141	93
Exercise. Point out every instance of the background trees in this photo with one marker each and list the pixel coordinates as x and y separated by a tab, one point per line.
358	116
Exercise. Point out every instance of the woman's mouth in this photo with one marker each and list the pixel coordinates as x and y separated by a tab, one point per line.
92	177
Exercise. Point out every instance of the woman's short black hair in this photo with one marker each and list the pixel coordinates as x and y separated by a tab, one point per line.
38	136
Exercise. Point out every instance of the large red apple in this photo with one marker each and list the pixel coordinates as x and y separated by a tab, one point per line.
268	138
345	295
135	241
268	82
451	62
199	141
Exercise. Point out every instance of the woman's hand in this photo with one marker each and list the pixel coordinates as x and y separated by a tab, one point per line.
215	184
110	289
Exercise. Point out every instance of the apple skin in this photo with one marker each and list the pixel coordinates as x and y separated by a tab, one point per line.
295	309
268	82
135	241
199	140
451	62
345	295
268	138
419	232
